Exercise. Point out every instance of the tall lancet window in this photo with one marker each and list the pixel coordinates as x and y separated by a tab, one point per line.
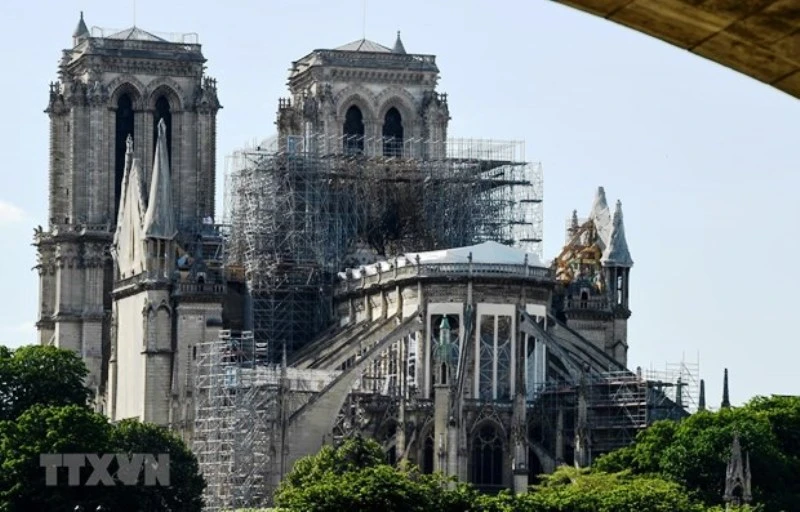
487	458
393	133
163	112
353	143
123	128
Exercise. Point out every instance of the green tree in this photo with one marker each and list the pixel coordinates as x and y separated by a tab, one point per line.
695	451
76	429
356	477
575	490
36	375
186	483
49	430
43	410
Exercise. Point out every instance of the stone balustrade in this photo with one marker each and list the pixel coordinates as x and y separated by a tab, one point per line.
361	279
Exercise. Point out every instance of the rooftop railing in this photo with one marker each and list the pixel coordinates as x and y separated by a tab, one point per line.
360	279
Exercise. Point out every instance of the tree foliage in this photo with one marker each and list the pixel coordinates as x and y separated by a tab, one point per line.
695	451
355	478
186	484
44	430
574	490
36	375
43	410
75	429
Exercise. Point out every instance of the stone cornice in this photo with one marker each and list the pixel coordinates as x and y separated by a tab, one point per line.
336	74
134	66
132	287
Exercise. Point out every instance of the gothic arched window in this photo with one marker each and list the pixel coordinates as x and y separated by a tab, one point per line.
163	111
487	458
353	131
393	133
123	128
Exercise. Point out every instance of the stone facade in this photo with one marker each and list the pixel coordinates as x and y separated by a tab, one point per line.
456	360
111	87
373	83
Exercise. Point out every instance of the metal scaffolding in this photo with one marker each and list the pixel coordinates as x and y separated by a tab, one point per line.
238	421
302	209
242	405
619	405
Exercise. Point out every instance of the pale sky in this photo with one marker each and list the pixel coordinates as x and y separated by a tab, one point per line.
705	160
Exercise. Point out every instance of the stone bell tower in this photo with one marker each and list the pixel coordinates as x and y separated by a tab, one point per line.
112	86
366	98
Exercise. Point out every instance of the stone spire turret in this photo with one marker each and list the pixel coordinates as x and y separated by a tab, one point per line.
81	32
737	476
159	220
701	405
601	216
398	45
127	244
617	253
726	399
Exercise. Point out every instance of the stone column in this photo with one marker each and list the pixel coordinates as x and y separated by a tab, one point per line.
67	322
519	434
57	111
93	263
207	107
582	454
559	436
157	358
441	434
184	173
111	388
96	147
46	270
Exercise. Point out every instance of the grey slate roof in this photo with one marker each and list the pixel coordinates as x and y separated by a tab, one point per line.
136	34
617	253
364	45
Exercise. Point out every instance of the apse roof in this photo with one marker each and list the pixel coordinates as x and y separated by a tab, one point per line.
486	252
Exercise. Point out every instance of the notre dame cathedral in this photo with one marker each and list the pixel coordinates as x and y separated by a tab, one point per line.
445	337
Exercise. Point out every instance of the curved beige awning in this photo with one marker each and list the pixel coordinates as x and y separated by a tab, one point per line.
760	38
